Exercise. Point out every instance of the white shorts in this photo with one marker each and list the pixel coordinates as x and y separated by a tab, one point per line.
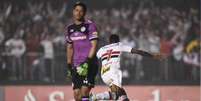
113	76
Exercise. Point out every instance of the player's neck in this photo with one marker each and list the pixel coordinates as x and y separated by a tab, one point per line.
78	22
112	42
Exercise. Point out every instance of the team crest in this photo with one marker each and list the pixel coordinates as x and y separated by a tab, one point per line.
83	29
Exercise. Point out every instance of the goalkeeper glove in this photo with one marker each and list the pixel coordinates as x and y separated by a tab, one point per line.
82	70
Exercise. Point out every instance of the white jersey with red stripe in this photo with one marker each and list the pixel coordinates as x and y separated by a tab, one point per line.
110	54
110	58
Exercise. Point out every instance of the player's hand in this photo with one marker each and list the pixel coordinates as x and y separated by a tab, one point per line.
82	70
68	74
158	56
70	71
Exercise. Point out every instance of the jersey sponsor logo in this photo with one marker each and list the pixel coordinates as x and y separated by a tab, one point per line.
104	70
76	34
79	38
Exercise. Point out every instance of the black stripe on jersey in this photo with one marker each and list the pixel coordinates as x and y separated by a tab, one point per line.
113	56
104	58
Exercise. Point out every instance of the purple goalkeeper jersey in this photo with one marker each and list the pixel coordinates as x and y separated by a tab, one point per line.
80	36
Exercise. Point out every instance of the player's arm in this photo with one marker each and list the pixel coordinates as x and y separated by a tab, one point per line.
146	54
92	51
93	37
141	52
69	47
126	48
69	54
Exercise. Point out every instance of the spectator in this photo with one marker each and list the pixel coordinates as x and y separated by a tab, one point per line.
1	36
16	47
3	69
32	44
48	48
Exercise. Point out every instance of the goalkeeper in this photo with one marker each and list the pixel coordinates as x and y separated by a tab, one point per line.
81	39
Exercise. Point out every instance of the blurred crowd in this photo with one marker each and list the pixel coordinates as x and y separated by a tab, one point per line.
32	41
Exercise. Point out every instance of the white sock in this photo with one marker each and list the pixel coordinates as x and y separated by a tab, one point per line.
123	97
103	96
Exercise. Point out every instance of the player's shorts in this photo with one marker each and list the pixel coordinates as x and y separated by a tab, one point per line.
112	76
89	81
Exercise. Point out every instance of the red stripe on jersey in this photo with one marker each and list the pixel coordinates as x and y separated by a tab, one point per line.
104	54
116	52
113	53
112	56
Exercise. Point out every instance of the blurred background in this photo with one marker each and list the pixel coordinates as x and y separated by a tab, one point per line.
32	49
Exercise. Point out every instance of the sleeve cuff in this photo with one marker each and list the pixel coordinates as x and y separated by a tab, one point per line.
69	42
96	38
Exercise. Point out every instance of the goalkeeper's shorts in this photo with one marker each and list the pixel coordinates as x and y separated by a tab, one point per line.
89	80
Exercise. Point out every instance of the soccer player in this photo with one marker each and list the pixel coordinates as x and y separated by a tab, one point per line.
110	70
81	38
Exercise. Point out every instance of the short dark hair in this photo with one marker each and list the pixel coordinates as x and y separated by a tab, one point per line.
80	4
114	38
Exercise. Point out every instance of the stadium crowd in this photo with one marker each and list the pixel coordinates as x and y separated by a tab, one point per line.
32	41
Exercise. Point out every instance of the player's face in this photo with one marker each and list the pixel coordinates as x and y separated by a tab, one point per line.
78	13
